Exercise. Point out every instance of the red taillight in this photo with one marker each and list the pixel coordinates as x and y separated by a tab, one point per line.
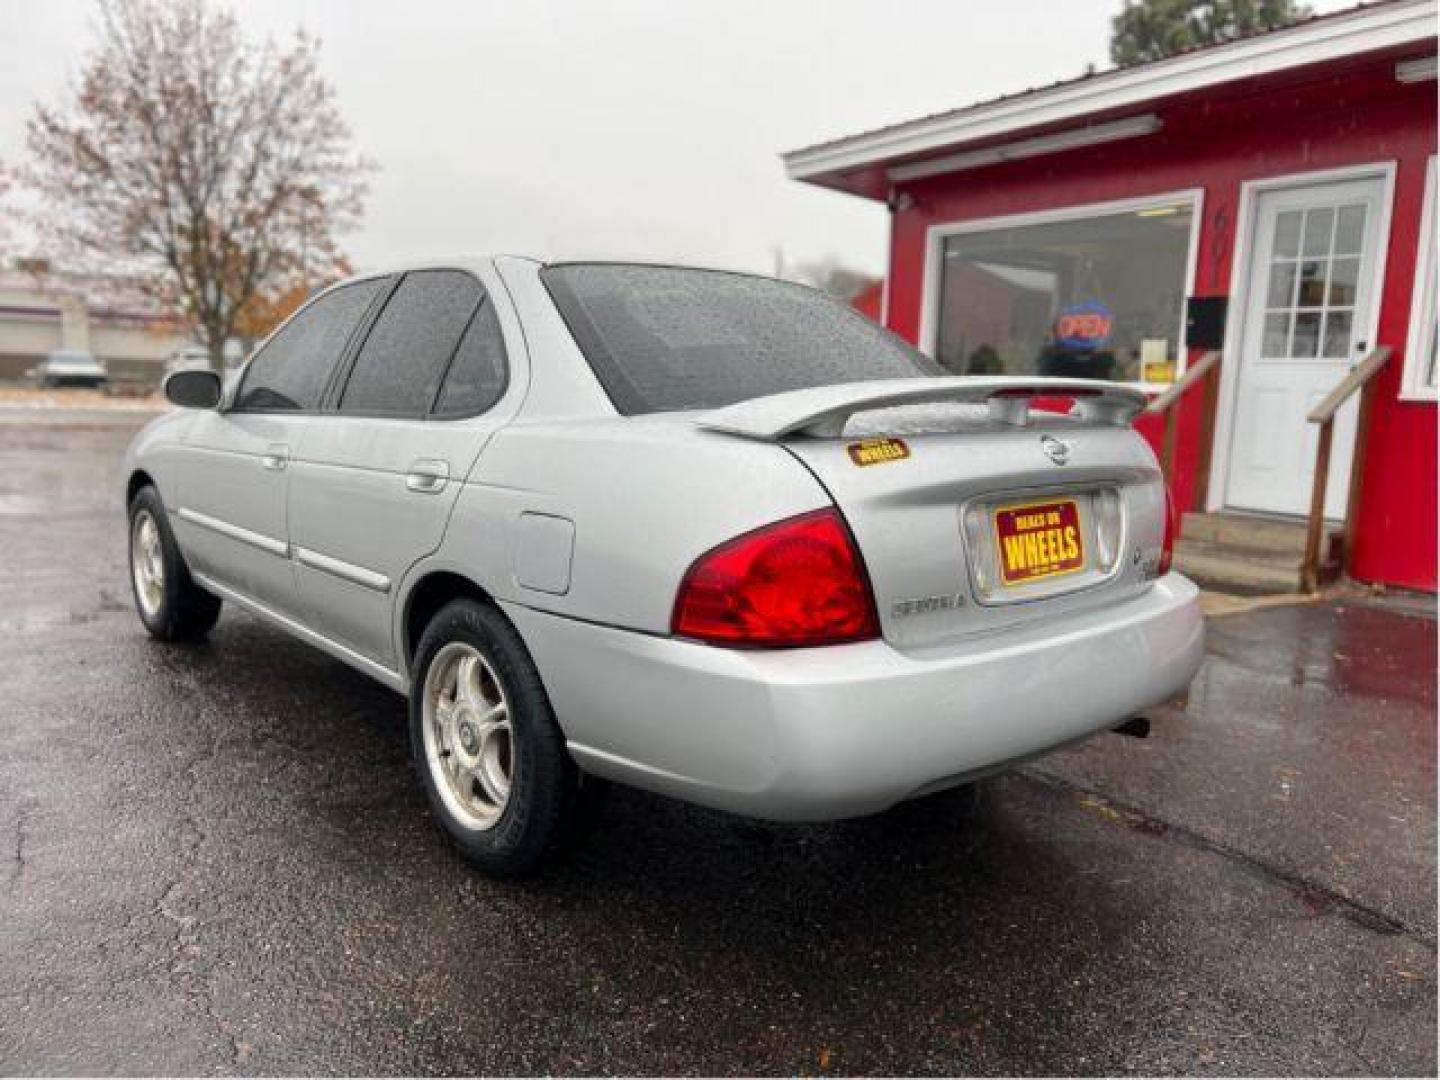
1167	545
797	582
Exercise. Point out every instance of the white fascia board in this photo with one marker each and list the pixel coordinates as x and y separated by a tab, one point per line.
1329	38
1072	139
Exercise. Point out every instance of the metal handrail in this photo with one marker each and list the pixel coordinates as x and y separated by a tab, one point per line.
1359	380
1166	403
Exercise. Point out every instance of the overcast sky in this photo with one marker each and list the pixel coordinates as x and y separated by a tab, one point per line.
644	128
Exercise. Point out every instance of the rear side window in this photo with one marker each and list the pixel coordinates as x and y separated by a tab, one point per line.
290	371
398	370
477	375
662	338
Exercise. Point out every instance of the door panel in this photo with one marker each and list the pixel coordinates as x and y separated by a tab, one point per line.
235	465
1306	322
359	519
230	517
374	483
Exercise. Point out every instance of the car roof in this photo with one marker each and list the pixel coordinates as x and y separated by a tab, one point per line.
475	262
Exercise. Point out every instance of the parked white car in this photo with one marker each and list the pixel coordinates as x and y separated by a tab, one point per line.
187	358
70	367
708	534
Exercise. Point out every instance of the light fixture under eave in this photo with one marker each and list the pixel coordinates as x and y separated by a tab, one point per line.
1413	71
1094	135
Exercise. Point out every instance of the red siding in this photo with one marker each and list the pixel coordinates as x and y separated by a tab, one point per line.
1319	121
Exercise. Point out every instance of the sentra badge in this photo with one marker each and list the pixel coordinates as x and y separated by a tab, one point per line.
877	451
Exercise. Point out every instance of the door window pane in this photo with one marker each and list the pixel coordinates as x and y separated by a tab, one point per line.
1282	285
1097	297
1306	341
1312	285
1337	334
1287	233
1277	336
1318	226
399	368
476	378
1350	230
290	371
1344	276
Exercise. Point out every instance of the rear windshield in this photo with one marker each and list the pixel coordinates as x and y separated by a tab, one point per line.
661	338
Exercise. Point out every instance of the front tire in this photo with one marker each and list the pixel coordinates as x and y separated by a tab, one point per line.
485	741
171	605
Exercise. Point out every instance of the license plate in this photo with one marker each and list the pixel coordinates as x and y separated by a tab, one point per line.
1039	540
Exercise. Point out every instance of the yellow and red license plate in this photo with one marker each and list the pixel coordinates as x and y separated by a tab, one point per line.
1039	540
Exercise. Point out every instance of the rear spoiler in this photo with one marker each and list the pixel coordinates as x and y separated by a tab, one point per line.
824	410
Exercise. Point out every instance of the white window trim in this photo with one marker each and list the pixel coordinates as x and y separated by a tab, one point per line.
1422	300
936	235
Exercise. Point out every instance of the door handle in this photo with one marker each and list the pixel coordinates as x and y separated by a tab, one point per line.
276	456
428	476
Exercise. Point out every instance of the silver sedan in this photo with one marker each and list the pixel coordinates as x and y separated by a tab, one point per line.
708	534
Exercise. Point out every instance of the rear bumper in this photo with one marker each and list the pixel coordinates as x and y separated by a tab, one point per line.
815	734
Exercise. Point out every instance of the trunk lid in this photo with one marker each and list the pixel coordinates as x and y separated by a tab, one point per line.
973	509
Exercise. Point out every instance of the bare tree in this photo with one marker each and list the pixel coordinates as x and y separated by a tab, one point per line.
218	165
830	275
7	215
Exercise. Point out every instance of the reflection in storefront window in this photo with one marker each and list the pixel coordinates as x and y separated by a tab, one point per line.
1097	297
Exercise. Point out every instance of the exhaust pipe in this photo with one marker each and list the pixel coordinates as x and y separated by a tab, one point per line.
1137	727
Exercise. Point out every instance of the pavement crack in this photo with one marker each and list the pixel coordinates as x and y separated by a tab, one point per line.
22	825
1313	894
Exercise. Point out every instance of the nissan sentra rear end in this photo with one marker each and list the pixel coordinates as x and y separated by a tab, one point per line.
936	577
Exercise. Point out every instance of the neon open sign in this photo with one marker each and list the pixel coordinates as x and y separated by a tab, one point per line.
1084	326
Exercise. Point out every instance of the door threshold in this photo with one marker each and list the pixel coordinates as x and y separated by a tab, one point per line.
1277	517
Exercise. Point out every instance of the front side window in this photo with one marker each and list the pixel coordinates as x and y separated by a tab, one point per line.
290	371
1097	297
397	371
663	338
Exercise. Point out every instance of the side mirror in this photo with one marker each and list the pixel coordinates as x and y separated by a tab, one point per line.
193	389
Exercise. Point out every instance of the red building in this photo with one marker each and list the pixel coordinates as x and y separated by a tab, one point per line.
1291	175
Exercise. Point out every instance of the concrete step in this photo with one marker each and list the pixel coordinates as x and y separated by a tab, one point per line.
1239	571
1281	535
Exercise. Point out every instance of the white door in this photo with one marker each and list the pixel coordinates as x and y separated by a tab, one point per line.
1308	316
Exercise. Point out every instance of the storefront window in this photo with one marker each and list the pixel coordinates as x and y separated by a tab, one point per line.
1098	297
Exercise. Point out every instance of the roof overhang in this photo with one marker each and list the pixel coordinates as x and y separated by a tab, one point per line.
852	164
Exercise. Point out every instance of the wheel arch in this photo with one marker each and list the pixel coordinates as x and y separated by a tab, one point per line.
432	591
139	478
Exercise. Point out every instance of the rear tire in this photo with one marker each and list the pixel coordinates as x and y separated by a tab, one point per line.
171	605
489	752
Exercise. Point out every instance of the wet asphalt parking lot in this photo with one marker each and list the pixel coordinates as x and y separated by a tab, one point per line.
215	860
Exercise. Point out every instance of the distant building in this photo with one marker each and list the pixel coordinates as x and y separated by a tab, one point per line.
109	318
